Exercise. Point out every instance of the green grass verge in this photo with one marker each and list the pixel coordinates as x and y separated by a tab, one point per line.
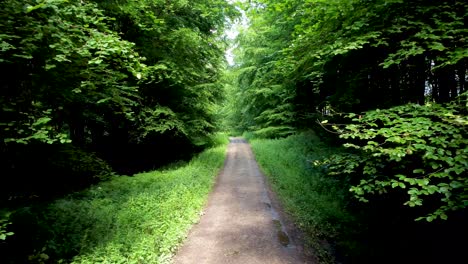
140	219
316	201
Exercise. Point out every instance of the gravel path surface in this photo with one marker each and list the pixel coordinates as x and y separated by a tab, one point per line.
240	223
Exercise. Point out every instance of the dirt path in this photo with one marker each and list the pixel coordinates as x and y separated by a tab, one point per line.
240	223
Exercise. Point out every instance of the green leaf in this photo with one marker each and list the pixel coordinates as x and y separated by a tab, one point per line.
437	46
42	121
103	100
456	184
50	66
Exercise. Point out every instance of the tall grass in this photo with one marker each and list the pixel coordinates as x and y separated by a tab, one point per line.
316	201
140	219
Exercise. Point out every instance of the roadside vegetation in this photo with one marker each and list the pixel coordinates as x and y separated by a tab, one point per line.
139	219
318	203
339	228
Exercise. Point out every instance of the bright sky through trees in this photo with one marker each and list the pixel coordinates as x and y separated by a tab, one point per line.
233	32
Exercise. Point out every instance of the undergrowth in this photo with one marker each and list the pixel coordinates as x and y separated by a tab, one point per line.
317	202
139	219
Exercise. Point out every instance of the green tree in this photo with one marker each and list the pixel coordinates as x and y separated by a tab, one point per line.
133	81
301	60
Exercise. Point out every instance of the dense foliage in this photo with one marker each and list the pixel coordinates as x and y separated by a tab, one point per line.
299	59
423	149
128	83
302	60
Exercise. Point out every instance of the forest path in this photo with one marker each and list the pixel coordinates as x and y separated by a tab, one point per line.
241	223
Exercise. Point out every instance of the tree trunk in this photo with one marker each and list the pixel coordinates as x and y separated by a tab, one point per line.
446	82
418	79
394	81
461	72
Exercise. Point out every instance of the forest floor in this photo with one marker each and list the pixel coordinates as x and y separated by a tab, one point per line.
242	222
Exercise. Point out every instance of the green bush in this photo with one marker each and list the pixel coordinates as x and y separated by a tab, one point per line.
421	150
